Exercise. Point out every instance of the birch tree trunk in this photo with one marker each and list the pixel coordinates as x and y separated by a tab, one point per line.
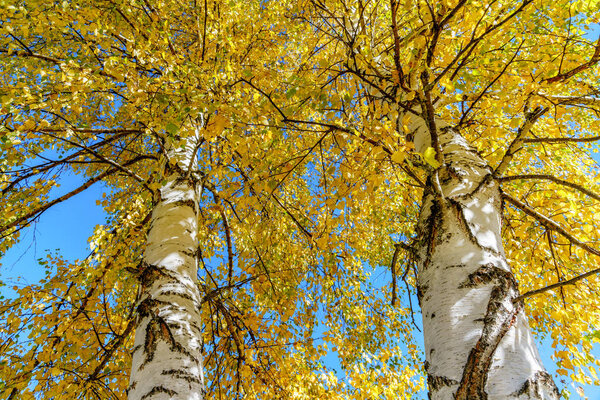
477	340
167	359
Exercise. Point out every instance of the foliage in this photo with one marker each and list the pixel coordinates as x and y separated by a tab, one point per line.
309	178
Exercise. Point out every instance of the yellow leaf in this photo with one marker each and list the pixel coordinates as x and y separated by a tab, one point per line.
398	157
420	41
322	242
447	83
429	157
566	363
28	125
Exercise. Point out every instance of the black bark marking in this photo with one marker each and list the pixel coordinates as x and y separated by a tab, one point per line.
497	321
435	383
488	273
147	306
168	337
191	253
455	266
421	290
182	180
131	387
158	329
151	273
150	342
182	374
157	390
178	294
466	227
433	225
185	203
536	383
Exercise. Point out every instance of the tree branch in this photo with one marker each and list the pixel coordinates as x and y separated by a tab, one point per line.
464	116
554	179
550	224
119	133
571	281
111	162
397	248
517	143
562	140
566	75
36	212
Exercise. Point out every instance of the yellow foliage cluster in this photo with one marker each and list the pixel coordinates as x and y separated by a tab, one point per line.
308	177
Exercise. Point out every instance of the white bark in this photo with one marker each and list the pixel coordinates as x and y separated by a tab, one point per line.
167	359
478	343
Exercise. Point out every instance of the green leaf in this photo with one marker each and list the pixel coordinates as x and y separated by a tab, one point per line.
290	92
172	128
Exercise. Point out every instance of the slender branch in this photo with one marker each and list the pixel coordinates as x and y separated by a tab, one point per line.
453	12
562	140
44	207
429	115
571	281
566	75
393	269
101	157
464	116
585	100
302	228
438	27
229	246
411	254
475	41
119	133
394	8
109	353
556	269
517	143
550	224
298	163
554	179
23	53
572	100
55	61
333	127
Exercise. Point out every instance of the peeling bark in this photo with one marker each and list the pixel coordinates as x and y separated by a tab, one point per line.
478	343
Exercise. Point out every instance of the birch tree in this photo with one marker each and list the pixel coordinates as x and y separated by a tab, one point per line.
282	181
135	97
452	94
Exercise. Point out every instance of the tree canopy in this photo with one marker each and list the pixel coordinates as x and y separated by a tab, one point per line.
311	182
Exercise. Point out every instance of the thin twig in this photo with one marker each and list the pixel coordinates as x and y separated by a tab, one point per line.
517	143
554	179
550	224
564	76
393	269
